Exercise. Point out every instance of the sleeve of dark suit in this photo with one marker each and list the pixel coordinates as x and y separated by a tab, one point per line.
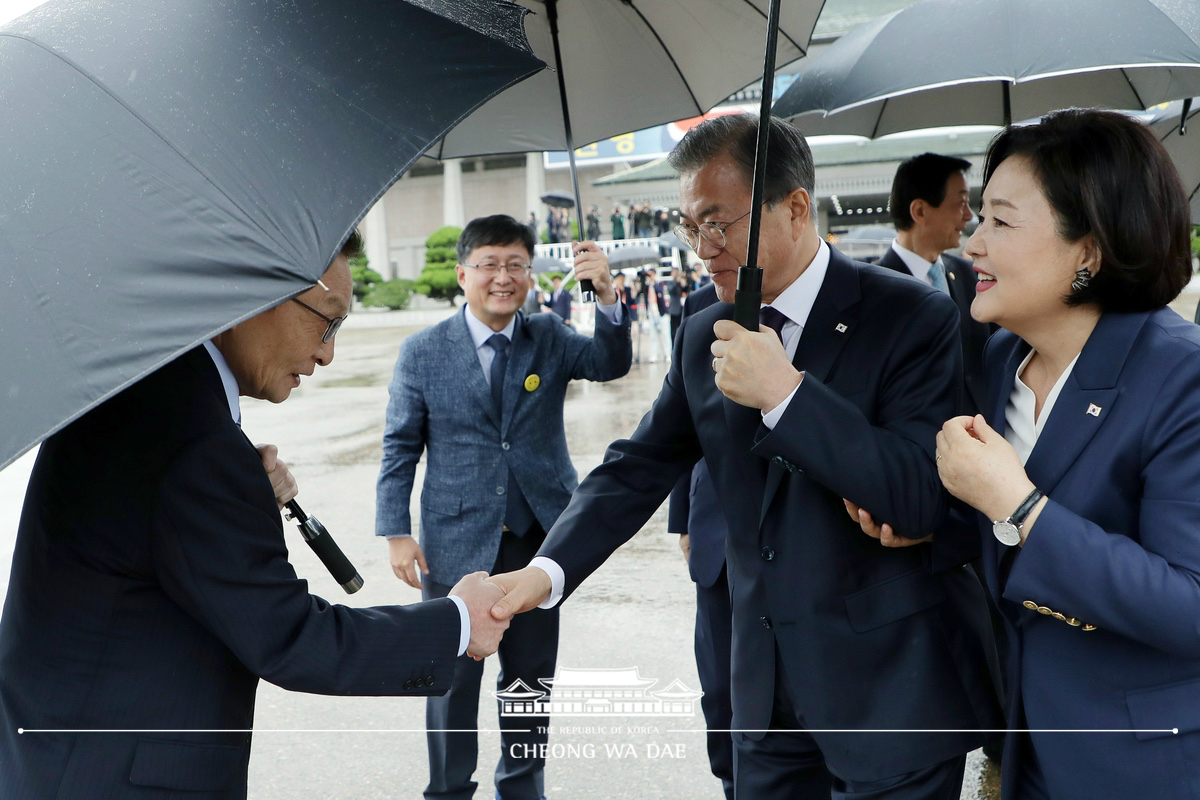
219	552
886	464
680	504
403	442
617	498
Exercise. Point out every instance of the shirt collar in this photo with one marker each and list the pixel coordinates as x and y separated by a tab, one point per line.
917	265
228	382
796	301
480	333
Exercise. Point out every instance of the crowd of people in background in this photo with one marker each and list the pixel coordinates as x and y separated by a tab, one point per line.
639	220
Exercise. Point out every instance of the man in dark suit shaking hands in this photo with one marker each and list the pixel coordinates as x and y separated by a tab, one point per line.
151	588
856	669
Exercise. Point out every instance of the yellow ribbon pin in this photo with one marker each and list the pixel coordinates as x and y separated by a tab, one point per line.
532	382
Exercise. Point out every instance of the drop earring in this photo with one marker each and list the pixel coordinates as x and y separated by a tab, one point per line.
1083	279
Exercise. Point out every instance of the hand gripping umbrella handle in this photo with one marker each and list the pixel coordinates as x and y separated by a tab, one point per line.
326	549
748	298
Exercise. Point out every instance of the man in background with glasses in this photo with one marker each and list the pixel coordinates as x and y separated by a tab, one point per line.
482	394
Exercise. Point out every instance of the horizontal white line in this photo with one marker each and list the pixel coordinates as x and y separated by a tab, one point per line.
552	730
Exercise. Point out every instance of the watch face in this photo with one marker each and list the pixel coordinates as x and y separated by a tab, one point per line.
1007	533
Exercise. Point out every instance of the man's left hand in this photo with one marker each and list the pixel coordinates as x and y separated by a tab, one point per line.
752	367
592	265
281	478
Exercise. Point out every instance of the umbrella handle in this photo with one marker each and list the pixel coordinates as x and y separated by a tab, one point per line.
748	297
326	549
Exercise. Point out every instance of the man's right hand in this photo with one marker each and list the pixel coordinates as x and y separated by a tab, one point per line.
486	630
524	590
685	544
408	562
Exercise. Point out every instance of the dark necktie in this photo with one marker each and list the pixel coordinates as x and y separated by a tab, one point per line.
774	319
518	516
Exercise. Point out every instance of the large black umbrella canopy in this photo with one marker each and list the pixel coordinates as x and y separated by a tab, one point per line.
1184	148
628	65
990	62
173	168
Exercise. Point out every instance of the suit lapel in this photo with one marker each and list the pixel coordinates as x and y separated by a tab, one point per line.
832	321
1086	399
520	360
464	360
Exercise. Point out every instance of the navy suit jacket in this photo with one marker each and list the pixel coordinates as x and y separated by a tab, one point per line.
1118	547
960	279
561	304
973	336
151	590
694	507
441	405
869	638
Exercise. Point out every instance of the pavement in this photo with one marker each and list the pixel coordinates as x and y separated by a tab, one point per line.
637	610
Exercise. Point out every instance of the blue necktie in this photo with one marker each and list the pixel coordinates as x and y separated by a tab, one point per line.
774	319
937	277
518	516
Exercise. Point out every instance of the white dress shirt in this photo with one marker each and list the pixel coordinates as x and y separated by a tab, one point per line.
795	302
917	265
1021	426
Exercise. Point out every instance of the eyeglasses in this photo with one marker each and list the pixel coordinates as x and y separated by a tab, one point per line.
491	268
333	324
711	232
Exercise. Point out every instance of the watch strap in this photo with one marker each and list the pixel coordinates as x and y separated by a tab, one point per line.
1022	513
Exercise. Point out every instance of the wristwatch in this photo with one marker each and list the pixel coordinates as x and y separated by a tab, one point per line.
1008	531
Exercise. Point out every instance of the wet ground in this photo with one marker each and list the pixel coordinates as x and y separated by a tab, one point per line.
636	611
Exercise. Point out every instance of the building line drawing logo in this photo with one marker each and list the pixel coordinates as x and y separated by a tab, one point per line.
597	693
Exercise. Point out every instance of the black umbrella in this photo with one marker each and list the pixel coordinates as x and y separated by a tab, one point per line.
559	199
171	169
548	264
634	256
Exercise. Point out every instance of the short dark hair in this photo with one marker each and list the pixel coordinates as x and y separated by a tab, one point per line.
789	159
498	229
353	246
922	177
1107	174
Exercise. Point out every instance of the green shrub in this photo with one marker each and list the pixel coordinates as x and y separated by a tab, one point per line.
363	276
438	279
390	294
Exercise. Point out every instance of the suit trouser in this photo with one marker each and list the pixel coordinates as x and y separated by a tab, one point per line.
787	764
714	646
527	652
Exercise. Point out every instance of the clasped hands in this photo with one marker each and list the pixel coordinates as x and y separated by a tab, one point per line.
491	601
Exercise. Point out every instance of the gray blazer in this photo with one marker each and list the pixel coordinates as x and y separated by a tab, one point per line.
441	404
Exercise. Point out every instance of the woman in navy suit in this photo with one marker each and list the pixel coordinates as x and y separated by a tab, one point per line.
1086	469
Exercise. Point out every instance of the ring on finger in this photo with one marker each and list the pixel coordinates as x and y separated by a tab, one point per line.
714	363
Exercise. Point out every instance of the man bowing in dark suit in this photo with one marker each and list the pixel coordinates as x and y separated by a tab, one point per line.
856	670
151	588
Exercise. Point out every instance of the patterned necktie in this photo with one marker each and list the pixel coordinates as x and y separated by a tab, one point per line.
937	276
518	516
499	343
774	319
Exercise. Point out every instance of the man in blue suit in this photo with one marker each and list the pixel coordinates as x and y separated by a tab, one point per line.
482	394
560	300
151	588
695	514
857	671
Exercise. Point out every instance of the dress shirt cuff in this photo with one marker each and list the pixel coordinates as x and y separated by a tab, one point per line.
613	312
464	628
557	580
771	418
